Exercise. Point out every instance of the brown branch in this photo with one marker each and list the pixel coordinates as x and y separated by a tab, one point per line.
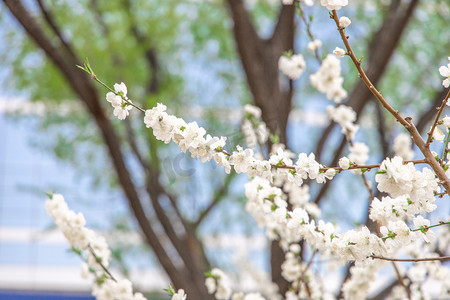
381	125
154	190
218	196
339	169
430	160
131	138
386	291
363	75
99	17
150	51
242	20
303	277
400	280
48	16
407	123
284	30
381	49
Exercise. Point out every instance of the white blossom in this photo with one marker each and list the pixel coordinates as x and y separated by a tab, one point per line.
121	89
114	99
403	146
446	122
438	135
344	163
445	71
391	209
180	295
344	116
339	52
344	22
218	285
292	66
421	223
334	4
359	153
328	79
314	45
121	107
122	111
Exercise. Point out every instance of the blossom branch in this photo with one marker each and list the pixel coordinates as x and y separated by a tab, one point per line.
363	75
87	67
442	258
436	120
99	261
407	122
422	228
446	149
339	169
401	281
428	227
429	157
308	29
354	166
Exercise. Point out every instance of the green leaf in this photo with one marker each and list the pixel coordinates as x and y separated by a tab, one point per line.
76	251
170	290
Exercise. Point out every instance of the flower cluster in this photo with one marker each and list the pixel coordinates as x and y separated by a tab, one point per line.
81	239
334	4
403	146
399	179
362	275
346	117
189	136
217	283
359	153
120	101
290	2
292	66
266	204
314	45
328	79
254	129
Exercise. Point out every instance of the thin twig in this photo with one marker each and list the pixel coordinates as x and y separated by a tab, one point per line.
401	281
436	120
303	279
99	261
435	225
425	228
308	30
339	169
363	75
442	258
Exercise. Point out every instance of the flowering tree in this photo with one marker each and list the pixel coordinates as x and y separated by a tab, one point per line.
398	227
